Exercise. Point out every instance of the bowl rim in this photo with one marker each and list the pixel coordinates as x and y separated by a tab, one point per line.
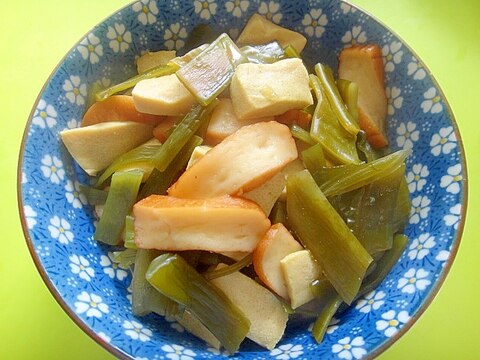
376	351
464	200
36	259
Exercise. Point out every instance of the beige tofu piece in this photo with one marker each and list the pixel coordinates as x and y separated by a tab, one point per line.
218	224
270	191
299	271
197	154
244	160
259	90
274	246
164	95
224	122
94	147
150	60
266	313
259	30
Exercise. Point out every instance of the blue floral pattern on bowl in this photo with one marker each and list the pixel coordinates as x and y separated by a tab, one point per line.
59	224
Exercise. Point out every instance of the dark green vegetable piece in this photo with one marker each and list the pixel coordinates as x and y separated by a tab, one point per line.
173	277
121	197
365	151
181	134
403	206
239	265
158	182
263	54
331	301
152	154
145	298
210	72
279	213
94	196
384	264
137	158
338	144
369	211
157	71
191	257
374	223
325	75
313	158
201	34
347	205
202	259
209	258
322	231
342	179
381	267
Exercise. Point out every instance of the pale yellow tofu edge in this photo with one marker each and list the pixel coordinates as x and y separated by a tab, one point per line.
267	315
259	30
94	147
164	95
260	90
299	271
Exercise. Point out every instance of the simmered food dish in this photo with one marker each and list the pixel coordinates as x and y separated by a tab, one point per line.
244	188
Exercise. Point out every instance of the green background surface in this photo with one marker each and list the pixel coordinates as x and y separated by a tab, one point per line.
35	35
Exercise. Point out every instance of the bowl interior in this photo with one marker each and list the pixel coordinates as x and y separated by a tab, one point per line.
59	225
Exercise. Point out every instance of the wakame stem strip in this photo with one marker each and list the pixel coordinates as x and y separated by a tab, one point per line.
137	158
402	207
125	258
342	179
365	151
181	134
325	75
94	196
385	264
145	298
331	301
263	54
373	225
211	71
158	182
121	197
158	71
129	238
173	277
349	92
301	134
240	264
279	213
321	230
313	158
338	144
